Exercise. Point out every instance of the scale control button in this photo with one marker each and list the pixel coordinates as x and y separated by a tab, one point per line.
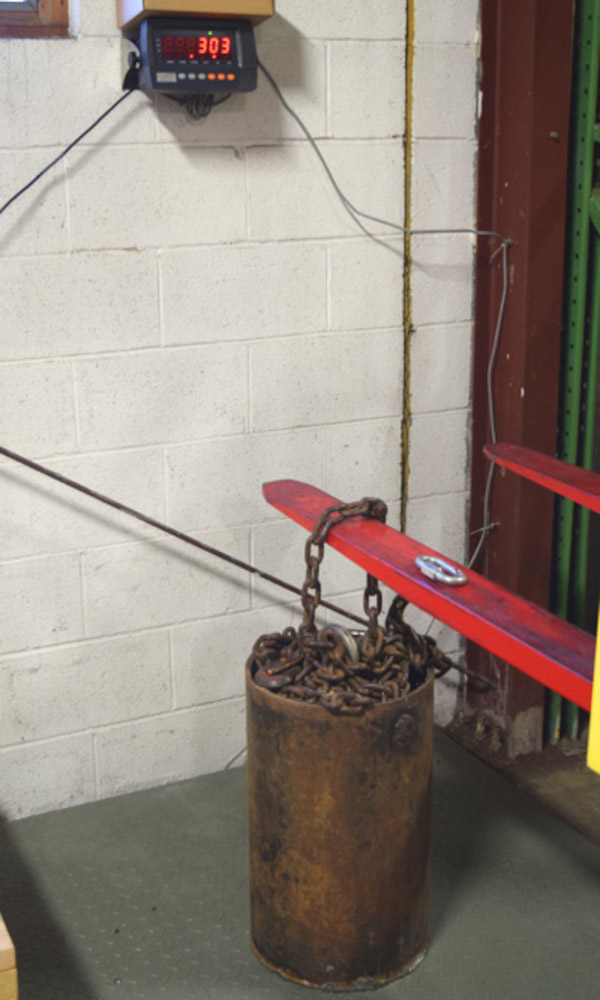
231	76
220	76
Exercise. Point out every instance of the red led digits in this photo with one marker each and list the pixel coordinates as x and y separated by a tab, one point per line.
213	47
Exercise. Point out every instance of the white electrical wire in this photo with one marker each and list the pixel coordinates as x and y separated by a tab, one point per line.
357	214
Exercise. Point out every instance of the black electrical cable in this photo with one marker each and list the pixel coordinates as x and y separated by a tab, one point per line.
60	156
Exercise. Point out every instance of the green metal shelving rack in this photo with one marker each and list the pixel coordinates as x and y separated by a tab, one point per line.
578	433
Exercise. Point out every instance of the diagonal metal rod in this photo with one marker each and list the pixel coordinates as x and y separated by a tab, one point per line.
218	553
123	509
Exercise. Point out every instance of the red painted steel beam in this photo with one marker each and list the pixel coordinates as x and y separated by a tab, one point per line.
560	477
523	146
546	648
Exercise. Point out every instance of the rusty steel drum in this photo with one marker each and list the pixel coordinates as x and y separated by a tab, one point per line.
340	818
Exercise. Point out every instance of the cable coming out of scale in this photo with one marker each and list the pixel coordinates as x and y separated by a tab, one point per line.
64	152
356	214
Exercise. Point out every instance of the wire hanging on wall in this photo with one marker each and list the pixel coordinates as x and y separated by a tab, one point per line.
357	215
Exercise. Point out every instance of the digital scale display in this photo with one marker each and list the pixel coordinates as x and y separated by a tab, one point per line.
210	47
197	55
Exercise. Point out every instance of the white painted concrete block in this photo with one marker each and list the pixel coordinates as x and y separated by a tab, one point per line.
443	173
61	691
326	406
441	368
130	588
169	748
339	19
243	293
442	279
162	396
52	775
363	459
209	657
79	304
219	483
290	196
37	222
445	91
41	603
97	19
366	285
299	71
145	207
316	381
39	516
454	21
440	522
54	117
37	407
439	453
366	83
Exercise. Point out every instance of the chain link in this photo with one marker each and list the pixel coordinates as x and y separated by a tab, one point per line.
346	672
314	551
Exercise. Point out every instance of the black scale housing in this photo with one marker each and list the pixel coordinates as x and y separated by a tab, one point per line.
155	70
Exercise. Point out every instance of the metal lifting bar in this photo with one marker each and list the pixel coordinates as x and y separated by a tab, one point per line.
160	526
210	549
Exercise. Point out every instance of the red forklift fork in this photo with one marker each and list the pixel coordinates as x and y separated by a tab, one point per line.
552	651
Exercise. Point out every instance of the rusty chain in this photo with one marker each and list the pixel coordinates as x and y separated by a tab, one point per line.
345	671
311	591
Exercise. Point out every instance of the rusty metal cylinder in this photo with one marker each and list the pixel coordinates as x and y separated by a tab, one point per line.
340	818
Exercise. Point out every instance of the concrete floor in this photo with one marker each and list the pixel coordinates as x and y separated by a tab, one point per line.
558	777
146	896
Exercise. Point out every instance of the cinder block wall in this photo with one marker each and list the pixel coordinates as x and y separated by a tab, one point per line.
187	310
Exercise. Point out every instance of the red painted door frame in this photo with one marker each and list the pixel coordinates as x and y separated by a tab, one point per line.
522	184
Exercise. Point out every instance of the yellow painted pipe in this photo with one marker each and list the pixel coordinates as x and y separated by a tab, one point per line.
593	758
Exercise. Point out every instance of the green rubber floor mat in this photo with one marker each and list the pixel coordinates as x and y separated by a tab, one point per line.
145	897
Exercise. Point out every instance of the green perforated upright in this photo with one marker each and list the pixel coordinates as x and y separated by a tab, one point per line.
582	324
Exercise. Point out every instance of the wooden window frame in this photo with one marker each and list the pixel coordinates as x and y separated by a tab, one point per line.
50	20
